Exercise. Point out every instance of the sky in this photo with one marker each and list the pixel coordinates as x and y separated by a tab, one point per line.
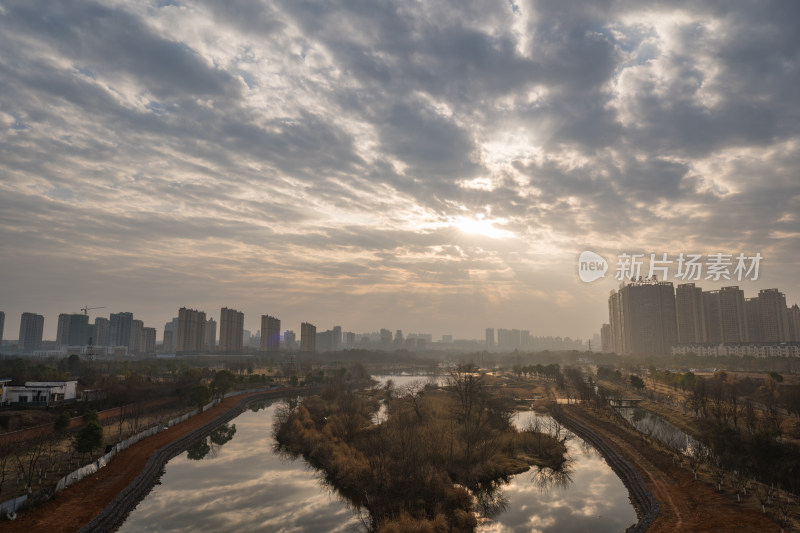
435	167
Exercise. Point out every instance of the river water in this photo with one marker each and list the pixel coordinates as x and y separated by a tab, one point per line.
658	428
242	485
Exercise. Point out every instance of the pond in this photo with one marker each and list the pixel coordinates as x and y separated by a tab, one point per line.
653	425
243	485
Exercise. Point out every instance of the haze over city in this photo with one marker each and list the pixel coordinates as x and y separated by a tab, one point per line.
426	167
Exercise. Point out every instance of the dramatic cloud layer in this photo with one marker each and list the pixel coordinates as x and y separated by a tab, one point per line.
430	166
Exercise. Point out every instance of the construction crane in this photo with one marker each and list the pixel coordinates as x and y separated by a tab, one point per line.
86	309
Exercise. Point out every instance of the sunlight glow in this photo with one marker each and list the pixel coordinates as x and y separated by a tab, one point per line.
481	226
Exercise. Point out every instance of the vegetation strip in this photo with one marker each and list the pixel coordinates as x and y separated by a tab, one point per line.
124	502
645	502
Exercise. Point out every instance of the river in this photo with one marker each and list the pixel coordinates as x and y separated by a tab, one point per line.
242	485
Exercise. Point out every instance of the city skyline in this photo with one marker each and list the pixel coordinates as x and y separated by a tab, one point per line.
442	171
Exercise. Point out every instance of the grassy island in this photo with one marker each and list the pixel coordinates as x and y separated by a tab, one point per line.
417	467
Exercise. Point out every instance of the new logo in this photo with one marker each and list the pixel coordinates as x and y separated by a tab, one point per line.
591	266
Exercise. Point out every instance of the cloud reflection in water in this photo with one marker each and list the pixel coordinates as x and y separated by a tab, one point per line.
247	487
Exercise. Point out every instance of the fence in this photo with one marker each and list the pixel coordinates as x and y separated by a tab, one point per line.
14	504
149	474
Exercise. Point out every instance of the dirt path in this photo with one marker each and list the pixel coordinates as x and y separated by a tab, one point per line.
686	504
72	508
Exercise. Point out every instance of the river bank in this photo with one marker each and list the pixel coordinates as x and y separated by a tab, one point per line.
77	506
684	504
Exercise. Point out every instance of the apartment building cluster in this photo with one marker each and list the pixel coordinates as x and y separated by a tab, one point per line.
652	317
120	333
521	339
192	331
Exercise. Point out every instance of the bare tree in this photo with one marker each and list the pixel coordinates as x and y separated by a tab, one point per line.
696	455
6	462
28	458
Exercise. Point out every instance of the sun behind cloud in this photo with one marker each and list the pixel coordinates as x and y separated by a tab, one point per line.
479	225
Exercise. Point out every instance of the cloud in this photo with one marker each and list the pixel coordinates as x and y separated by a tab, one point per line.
303	149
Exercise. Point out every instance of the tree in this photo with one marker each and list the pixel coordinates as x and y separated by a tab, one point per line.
89	437
74	365
199	396
636	381
198	450
62	421
223	381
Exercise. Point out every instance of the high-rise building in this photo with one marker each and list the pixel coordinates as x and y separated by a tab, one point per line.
386	336
147	344
690	314
191	333
31	326
2	326
270	333
136	336
329	340
793	315
606	339
508	339
725	316
308	337
751	318
78	330
231	330
211	335
73	330
169	341
350	339
773	319
102	327
490	338
62	333
336	341
616	322
289	340
733	323
644	315
120	329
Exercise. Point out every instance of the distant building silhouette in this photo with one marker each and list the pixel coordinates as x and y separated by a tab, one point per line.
62	331
120	329
642	318
147	344
231	330
2	327
489	338
270	333
308	337
793	319
170	335
102	327
289	340
169	341
690	313
191	334
725	315
210	342
773	319
31	326
606	339
137	326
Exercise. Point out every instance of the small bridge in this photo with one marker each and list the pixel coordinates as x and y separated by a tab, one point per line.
631	401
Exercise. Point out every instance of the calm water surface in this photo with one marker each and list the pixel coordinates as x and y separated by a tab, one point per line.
243	486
